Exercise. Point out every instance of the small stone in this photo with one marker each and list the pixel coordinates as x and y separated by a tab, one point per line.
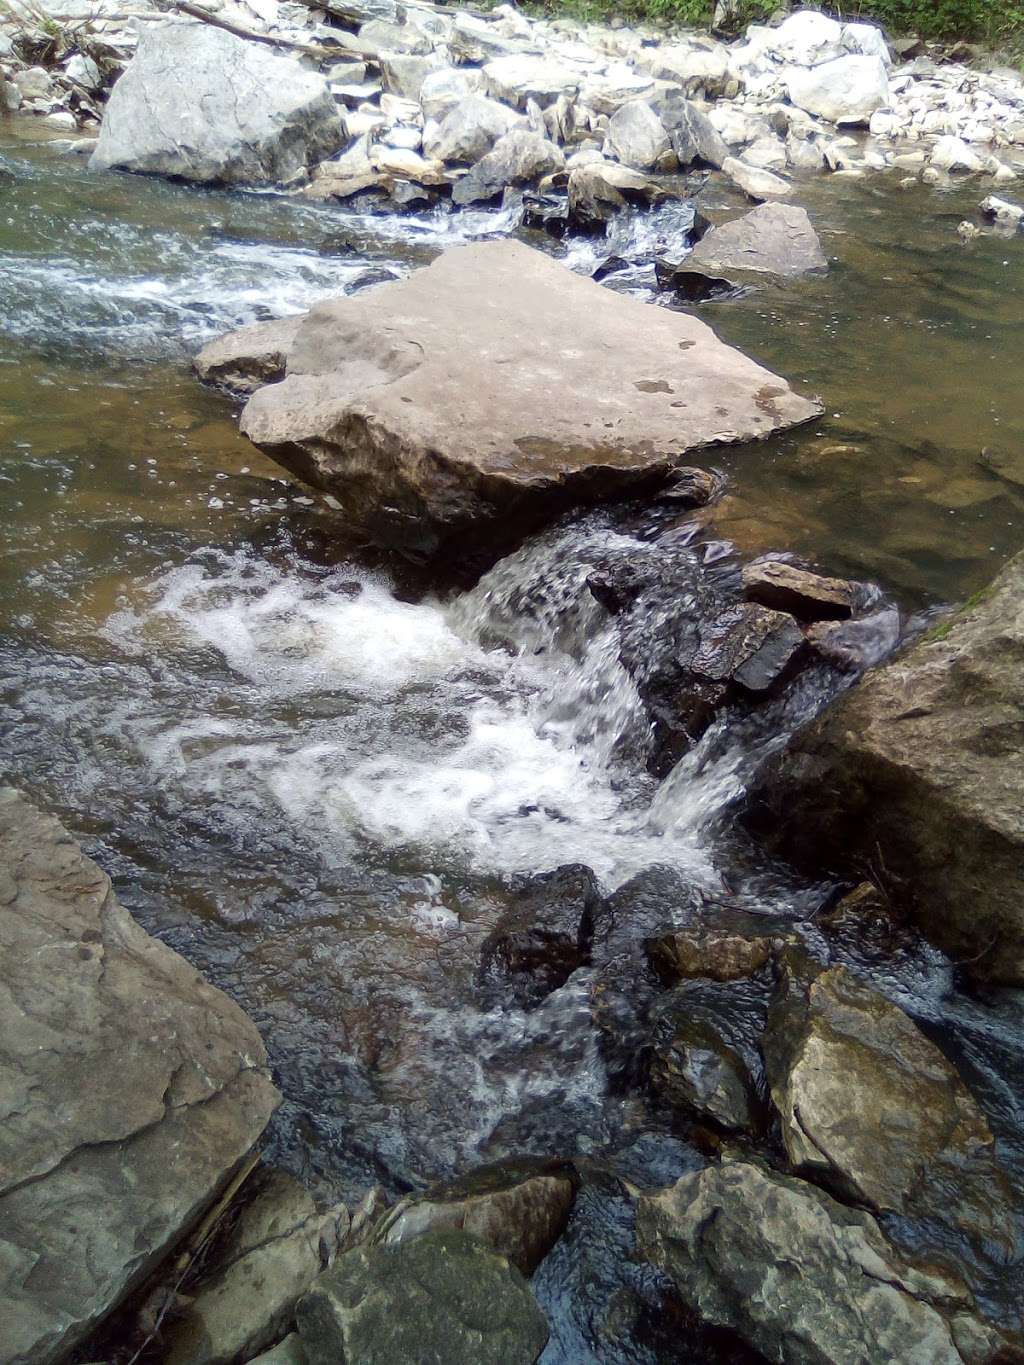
805	595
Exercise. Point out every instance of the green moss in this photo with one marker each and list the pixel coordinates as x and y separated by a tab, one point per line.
942	630
992	21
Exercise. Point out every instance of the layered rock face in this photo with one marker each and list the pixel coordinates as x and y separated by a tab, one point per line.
807	1280
491	390
198	103
129	1092
916	776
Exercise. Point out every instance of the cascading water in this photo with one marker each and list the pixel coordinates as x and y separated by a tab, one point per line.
326	786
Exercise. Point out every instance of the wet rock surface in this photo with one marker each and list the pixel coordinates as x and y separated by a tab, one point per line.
247	1297
132	1090
918	771
870	1106
426	412
440	1296
518	1209
801	1277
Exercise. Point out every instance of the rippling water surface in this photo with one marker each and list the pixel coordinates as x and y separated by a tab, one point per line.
320	779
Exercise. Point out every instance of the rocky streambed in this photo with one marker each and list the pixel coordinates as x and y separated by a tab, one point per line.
573	1068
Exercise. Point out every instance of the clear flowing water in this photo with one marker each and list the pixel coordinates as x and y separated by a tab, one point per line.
321	782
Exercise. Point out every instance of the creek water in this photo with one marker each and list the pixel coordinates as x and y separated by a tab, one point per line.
323	780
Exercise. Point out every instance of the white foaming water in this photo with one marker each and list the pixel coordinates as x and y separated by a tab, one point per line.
484	735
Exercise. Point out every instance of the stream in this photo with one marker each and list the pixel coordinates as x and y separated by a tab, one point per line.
324	780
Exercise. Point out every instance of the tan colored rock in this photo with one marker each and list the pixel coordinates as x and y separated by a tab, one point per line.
129	1092
918	771
808	596
871	1105
425	406
518	1213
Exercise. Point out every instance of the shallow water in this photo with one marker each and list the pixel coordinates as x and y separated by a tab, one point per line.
318	780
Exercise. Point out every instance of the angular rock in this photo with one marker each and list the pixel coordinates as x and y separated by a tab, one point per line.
442	1296
871	1106
773	240
470	129
717	952
544	938
515	159
803	1279
755	184
195	102
847	90
247	1296
242	362
746	644
954	155
518	79
695	1071
445	88
918	771
404	73
636	136
287	1352
131	1091
518	1209
1001	211
609	92
424	406
593	199
692	134
805	595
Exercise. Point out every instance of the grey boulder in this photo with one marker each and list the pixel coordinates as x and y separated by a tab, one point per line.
692	134
424	406
802	1278
131	1090
517	158
636	136
772	241
469	130
198	103
439	1299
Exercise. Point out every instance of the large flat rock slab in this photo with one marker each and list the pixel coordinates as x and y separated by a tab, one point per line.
916	776
491	390
130	1090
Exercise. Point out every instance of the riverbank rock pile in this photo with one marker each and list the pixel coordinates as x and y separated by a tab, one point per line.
424	407
131	1090
454	102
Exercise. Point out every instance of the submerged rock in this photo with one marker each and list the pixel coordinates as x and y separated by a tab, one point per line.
545	937
872	1107
425	406
518	1209
918	773
802	1278
131	1091
198	103
442	1296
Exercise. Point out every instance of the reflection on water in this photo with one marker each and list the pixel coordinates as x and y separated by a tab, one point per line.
318	782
